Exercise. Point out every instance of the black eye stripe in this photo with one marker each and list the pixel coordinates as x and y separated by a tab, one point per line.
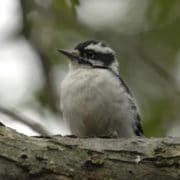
107	58
90	53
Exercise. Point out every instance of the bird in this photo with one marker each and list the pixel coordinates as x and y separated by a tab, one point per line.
95	100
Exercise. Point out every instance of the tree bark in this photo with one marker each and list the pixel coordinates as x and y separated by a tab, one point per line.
57	157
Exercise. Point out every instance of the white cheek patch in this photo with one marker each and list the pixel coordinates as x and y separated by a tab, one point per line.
99	48
115	66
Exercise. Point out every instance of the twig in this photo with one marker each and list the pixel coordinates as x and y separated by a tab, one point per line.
27	121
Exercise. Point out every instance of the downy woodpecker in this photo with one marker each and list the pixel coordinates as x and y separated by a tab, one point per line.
95	100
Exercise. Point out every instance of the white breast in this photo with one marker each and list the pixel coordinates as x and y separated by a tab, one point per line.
94	103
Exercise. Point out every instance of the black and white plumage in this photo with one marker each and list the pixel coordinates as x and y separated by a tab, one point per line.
95	101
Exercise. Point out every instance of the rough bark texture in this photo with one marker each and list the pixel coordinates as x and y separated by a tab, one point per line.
57	157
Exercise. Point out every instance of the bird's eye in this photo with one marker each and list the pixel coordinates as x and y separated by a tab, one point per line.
91	54
83	54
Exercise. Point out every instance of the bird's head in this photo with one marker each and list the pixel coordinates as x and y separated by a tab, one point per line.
93	54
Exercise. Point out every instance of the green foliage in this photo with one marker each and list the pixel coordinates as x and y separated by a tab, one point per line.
162	12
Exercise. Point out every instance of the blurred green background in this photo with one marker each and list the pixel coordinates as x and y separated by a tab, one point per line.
144	33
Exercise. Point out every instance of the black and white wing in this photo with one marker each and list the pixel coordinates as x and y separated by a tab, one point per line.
138	131
137	126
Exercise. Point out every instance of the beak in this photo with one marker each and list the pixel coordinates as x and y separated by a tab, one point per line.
70	54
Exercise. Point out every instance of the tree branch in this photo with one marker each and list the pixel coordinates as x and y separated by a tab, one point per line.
54	158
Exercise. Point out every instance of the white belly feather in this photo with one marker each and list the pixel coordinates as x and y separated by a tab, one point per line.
94	103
